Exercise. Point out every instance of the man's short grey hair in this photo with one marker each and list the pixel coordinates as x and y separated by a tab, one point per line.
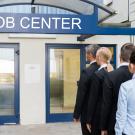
92	49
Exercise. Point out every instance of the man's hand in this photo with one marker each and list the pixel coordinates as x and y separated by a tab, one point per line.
104	132
76	120
88	127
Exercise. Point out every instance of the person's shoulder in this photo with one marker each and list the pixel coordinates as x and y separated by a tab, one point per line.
92	68
128	84
93	65
119	71
122	69
86	70
100	73
116	71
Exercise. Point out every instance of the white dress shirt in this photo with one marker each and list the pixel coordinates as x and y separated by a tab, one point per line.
125	116
92	62
102	66
124	64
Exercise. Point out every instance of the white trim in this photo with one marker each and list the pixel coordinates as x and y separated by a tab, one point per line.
41	36
102	66
124	64
92	62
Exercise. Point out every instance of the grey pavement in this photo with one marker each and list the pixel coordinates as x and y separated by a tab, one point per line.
47	129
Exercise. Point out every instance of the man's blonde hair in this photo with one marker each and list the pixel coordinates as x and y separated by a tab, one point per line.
105	54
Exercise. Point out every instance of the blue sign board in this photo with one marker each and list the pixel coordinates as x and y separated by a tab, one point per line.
57	24
40	23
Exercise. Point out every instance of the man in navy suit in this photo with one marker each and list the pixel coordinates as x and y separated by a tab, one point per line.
111	88
80	110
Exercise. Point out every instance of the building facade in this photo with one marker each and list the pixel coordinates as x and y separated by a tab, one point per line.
39	72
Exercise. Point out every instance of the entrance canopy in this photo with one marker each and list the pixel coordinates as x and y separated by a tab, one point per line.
84	7
87	20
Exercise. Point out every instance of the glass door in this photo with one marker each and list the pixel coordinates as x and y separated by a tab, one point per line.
64	65
9	96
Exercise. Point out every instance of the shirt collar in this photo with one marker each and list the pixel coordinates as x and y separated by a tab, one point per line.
124	64
133	76
92	62
102	66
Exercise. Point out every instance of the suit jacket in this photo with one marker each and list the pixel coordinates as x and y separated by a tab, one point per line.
110	96
80	109
95	99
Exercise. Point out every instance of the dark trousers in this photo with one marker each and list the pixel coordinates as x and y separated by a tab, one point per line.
95	132
85	131
112	132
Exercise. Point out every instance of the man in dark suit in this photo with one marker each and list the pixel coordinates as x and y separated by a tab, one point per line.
95	97
111	88
80	109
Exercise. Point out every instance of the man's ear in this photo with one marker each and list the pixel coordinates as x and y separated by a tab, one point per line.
132	68
89	55
120	57
133	65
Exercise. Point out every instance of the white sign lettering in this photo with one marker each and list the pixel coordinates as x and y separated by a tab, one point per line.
7	22
26	20
10	22
2	22
40	22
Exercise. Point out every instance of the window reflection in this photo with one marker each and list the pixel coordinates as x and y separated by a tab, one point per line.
64	73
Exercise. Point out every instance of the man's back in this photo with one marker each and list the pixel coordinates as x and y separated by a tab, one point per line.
110	96
117	77
126	109
95	98
83	92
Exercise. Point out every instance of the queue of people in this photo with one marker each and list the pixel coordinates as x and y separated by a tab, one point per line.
105	97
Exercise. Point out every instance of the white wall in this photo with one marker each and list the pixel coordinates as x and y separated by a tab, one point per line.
32	51
32	103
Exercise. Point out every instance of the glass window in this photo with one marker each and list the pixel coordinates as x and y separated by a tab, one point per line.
7	81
